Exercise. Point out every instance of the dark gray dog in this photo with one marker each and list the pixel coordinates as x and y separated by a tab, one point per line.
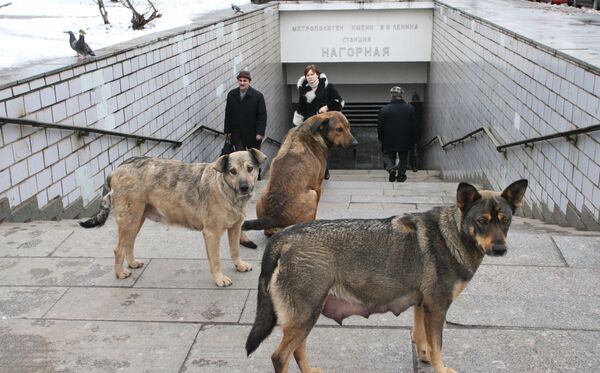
358	267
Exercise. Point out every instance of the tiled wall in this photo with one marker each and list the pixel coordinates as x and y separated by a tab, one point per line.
481	75
162	87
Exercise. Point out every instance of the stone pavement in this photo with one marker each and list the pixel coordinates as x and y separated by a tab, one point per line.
62	309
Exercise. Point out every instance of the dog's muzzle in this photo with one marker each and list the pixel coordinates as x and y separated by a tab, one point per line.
245	188
498	250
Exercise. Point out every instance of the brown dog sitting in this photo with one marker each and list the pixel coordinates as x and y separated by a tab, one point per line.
294	189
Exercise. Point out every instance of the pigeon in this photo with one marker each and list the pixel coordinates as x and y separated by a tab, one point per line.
80	46
236	8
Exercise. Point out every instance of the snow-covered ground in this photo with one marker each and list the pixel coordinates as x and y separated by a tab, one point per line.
32	30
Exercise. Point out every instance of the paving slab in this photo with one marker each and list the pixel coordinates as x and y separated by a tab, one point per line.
491	351
153	241
580	251
27	302
89	346
530	297
61	272
194	274
181	305
334	349
31	242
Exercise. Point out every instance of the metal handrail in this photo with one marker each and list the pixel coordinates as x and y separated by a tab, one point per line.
83	131
528	142
567	134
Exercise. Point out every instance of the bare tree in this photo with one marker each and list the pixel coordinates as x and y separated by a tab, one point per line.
138	21
103	11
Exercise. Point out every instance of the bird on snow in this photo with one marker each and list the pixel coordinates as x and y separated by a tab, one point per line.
236	8
80	46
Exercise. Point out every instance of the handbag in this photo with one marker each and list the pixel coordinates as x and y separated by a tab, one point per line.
227	147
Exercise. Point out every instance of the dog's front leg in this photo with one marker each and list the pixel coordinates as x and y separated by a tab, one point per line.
233	234
419	337
434	326
212	239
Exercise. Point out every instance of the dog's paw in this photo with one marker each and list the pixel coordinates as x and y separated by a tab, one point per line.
135	264
248	244
123	274
222	281
243	267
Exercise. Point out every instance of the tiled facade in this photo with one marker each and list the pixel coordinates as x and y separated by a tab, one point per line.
162	87
482	75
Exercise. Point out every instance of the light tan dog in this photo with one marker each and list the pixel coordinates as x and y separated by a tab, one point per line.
208	197
294	189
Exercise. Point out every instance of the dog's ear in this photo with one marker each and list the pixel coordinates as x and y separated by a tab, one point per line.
258	156
466	195
221	163
320	125
514	193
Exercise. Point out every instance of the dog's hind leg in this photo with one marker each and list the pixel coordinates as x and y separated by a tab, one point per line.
129	256
302	359
212	240
233	234
434	326
129	224
419	337
294	336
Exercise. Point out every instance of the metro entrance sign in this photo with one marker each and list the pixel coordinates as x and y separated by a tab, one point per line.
390	35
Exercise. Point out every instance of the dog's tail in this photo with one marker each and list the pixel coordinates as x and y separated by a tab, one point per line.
260	224
99	219
266	319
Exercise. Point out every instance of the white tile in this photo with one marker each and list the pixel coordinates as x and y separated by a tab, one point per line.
22	149
43	179
15	107
58	171
75	87
32	102
4	180
13	196
64	148
59	111
48	97
35	163
61	91
68	183
55	190
18	172
51	155
28	188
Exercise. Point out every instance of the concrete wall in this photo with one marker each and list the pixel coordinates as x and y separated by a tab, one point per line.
160	86
482	75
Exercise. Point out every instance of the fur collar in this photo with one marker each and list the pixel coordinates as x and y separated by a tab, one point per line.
302	82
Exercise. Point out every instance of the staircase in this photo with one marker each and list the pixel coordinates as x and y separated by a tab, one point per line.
367	155
362	114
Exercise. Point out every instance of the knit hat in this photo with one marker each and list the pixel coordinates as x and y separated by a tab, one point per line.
244	74
397	91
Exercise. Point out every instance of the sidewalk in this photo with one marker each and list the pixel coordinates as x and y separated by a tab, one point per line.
62	309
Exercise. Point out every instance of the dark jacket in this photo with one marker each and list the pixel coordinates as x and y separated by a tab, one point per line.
246	118
326	94
396	126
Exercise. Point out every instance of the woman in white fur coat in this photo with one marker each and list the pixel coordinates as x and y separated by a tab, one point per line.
316	95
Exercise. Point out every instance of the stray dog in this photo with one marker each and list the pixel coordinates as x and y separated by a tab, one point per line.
294	189
359	267
208	197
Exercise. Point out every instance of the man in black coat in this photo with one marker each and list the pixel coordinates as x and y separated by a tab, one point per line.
245	114
397	132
